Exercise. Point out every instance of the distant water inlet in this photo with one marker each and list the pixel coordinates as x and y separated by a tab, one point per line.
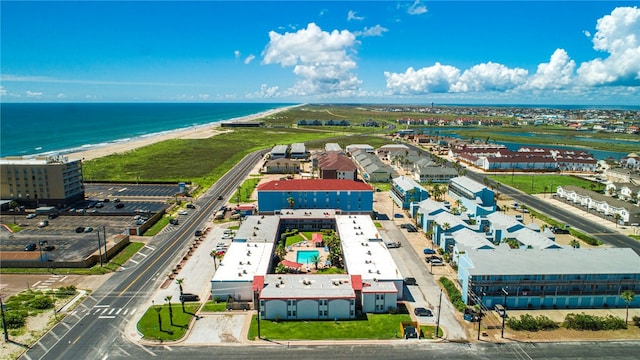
305	256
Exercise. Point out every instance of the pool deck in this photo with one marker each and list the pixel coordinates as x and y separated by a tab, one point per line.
292	255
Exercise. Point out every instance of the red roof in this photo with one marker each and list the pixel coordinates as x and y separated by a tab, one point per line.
314	185
356	282
291	264
258	282
316	238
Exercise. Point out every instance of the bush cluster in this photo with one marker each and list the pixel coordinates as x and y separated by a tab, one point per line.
15	319
66	291
454	294
636	321
528	322
593	322
41	302
288	233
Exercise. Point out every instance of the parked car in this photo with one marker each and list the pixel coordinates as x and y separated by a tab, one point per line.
198	233
410	332
392	244
227	236
119	205
88	229
219	197
182	212
405	225
31	216
99	205
48	248
43	223
52	215
105	200
30	247
174	221
116	200
80	229
557	230
420	311
189	297
190	206
410	281
428	251
500	310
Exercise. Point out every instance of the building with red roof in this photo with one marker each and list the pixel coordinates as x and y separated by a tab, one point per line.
347	196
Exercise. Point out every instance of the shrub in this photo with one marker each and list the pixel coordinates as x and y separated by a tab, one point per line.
15	319
636	320
583	321
66	291
41	302
528	322
454	294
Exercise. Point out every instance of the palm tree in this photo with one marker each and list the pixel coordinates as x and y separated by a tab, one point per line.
281	251
617	217
168	299
281	269
179	282
574	243
627	296
315	259
292	202
157	309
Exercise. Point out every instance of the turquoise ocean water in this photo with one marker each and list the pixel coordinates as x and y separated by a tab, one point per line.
28	129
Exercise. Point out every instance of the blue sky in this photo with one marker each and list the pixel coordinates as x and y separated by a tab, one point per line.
447	52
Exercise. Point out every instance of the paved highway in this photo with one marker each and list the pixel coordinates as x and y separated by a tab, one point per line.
91	330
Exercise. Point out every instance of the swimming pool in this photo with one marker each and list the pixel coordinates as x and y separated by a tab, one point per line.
304	256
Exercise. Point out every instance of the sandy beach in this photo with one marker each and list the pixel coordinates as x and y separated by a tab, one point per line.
196	132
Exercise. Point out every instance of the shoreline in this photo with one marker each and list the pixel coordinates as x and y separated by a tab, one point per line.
203	131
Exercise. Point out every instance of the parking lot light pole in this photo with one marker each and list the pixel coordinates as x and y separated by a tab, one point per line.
504	303
99	249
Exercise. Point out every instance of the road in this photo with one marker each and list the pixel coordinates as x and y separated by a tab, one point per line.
91	331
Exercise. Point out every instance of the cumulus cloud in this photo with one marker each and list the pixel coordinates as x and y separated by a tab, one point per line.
33	93
376	30
618	35
266	92
416	8
556	74
352	16
249	59
489	77
322	60
436	78
237	54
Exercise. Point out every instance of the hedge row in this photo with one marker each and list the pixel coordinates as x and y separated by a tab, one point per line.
454	294
593	322
528	322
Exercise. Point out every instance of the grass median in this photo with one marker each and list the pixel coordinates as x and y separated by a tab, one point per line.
156	323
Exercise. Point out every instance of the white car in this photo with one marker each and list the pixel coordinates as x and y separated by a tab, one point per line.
227	236
182	212
31	216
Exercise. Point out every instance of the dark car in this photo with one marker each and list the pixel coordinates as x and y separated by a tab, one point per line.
410	332
420	311
52	216
219	197
405	225
80	229
428	251
48	248
198	233
119	205
557	230
30	247
189	297
190	206
174	221
410	281
105	200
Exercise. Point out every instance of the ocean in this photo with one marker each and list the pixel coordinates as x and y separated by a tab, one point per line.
59	128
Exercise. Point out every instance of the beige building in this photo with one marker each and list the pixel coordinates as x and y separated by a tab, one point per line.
41	181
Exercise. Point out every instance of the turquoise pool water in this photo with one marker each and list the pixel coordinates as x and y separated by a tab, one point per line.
303	256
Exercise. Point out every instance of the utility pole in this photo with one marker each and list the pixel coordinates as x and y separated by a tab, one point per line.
104	236
438	318
4	322
99	249
257	300
504	316
480	314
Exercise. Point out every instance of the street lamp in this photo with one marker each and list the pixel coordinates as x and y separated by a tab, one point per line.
438	318
504	304
480	309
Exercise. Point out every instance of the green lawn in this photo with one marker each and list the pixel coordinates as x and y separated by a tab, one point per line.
149	326
245	190
293	239
212	306
539	183
377	326
158	226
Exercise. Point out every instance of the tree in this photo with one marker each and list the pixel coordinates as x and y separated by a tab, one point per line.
281	251
168	299
315	259
179	282
627	296
157	309
574	243
292	202
617	217
281	269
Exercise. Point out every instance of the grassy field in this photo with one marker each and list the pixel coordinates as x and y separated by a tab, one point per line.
149	326
245	190
213	306
376	326
540	183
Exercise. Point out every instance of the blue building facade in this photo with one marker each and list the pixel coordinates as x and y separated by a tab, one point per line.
477	198
405	191
549	278
347	196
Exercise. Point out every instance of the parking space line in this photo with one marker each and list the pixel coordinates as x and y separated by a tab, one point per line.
67	325
63	279
42	346
118	312
133	261
54	335
132	311
145	255
100	306
149	247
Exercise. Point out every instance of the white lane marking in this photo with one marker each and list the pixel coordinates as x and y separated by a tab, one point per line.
112	310
36	283
105	310
168	348
100	306
54	335
149	247
133	261
125	312
118	312
126	353
64	278
106	317
132	311
42	346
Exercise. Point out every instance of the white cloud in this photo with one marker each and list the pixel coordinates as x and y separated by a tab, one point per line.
377	30
237	54
556	74
322	60
249	59
204	96
60	96
266	92
436	78
352	16
618	34
444	78
416	8
33	93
